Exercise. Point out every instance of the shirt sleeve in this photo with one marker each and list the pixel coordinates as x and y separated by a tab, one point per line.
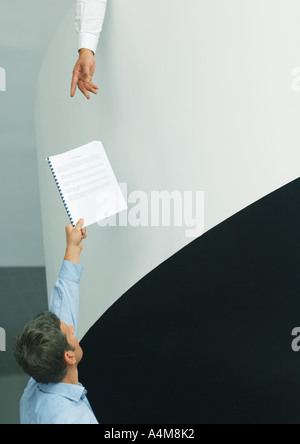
89	21
64	302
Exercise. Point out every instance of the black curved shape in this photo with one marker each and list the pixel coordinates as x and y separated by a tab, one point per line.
206	337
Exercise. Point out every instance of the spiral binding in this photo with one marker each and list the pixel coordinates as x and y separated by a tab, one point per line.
60	191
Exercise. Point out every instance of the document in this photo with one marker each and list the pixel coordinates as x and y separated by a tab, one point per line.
87	184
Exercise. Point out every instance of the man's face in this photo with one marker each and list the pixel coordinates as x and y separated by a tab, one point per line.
69	331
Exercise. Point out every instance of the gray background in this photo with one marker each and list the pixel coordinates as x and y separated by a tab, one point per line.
26	30
194	95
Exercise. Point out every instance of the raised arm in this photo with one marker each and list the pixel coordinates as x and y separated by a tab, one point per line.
65	294
75	237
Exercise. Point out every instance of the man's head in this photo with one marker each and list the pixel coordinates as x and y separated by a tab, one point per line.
47	348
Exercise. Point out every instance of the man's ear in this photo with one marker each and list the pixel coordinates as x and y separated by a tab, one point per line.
69	358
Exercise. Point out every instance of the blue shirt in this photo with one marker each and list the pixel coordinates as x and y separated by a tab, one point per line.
59	403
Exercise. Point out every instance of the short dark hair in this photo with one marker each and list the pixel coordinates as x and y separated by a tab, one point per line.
40	348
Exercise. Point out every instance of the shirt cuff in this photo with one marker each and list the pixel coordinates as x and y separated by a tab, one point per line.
88	41
71	272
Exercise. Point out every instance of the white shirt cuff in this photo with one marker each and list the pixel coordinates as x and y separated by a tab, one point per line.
88	41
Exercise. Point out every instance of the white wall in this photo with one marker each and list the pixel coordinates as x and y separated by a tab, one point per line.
195	95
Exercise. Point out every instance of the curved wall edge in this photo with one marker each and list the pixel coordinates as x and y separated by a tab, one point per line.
184	105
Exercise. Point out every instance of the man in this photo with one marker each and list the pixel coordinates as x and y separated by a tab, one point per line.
89	20
47	350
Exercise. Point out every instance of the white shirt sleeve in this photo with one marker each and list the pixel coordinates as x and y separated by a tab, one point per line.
89	20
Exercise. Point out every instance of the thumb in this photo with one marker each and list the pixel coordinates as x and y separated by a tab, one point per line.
86	74
80	224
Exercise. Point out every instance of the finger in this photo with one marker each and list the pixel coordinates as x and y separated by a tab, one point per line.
85	92
91	89
79	224
83	89
69	227
94	86
86	74
74	84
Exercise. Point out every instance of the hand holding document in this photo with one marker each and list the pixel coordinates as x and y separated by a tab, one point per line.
87	184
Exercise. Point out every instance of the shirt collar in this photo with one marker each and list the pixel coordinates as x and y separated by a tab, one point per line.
69	391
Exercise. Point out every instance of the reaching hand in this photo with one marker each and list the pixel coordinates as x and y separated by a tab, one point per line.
75	236
83	74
